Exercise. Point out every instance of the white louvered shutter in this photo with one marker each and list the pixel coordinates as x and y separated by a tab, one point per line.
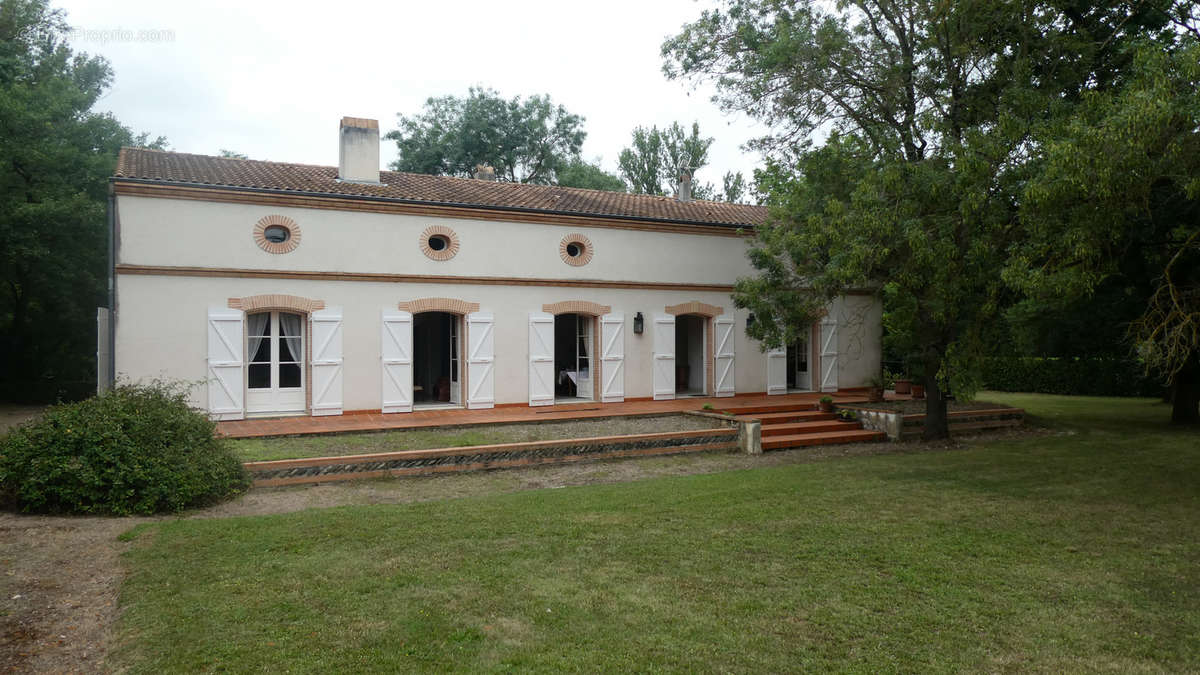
541	359
664	357
829	355
226	367
481	360
723	357
396	352
326	332
612	357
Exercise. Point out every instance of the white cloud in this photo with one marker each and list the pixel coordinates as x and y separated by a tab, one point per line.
272	79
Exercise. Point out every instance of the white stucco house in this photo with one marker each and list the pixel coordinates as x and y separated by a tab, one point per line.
289	289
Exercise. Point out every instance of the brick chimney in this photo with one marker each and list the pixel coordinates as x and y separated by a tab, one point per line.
358	150
484	172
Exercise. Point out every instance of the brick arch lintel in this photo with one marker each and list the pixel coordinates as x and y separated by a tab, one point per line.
451	305
577	307
703	309
295	303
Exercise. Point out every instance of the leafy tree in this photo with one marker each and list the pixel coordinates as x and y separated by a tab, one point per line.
56	155
657	158
581	174
526	141
930	108
1117	201
733	189
232	154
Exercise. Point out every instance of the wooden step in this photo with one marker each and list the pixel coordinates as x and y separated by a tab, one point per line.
822	438
807	427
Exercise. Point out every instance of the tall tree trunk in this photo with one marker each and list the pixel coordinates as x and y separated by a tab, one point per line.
1186	406
937	423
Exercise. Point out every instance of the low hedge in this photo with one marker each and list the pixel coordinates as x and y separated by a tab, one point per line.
135	449
1073	376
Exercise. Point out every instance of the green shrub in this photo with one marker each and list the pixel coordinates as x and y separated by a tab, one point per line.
1070	376
135	449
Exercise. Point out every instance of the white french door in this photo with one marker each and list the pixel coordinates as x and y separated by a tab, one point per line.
275	363
455	379
798	361
583	356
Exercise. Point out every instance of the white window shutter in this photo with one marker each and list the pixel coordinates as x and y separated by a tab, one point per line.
481	360
612	357
723	357
541	359
326	331
777	371
226	365
664	357
397	354
829	355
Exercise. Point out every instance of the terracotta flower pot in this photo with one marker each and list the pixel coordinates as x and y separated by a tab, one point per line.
875	394
918	391
825	407
903	386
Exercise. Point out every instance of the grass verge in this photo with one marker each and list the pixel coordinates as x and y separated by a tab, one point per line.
332	445
1071	551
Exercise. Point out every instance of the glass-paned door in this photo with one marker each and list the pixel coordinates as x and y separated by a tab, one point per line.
583	355
455	379
275	365
799	373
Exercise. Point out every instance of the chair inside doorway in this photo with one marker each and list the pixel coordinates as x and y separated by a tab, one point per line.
573	357
436	364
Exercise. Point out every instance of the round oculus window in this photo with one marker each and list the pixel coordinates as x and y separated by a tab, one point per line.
439	242
575	249
277	234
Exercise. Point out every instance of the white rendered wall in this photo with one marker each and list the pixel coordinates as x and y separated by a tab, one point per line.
182	233
161	327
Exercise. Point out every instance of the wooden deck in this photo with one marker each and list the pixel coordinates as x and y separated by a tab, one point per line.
376	421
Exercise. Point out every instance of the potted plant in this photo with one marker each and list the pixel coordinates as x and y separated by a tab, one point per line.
875	389
847	415
903	385
826	403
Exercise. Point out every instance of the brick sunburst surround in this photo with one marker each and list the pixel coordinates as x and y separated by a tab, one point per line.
286	303
450	305
460	308
446	253
594	310
260	236
584	257
709	312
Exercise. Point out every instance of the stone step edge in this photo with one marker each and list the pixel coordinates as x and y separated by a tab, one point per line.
279	464
501	464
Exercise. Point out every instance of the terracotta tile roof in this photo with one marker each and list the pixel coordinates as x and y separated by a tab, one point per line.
177	167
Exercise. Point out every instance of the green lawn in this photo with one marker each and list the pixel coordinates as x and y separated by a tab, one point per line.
1072	551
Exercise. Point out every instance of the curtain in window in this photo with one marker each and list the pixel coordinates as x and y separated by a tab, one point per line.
289	325
256	327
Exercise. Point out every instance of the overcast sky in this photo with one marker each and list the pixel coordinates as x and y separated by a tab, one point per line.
272	79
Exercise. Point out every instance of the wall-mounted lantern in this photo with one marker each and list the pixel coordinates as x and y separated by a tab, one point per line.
639	323
750	320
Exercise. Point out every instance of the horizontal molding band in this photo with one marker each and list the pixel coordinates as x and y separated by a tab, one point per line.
233	195
165	271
